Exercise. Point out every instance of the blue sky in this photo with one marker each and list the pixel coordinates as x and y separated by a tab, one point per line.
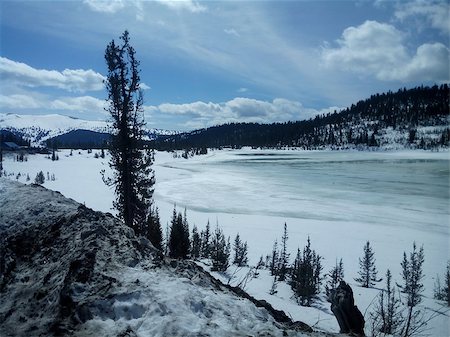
209	62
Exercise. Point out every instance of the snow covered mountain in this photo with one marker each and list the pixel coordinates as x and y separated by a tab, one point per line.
68	270
39	128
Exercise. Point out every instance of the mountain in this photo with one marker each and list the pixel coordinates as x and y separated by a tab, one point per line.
41	128
66	270
414	118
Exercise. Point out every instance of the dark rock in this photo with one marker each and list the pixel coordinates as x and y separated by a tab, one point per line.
349	318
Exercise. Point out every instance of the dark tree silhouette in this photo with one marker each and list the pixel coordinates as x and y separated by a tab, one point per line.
367	270
133	177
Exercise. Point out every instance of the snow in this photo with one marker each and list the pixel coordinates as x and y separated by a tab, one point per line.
340	199
72	271
39	128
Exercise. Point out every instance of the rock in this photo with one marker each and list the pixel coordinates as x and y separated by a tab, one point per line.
349	318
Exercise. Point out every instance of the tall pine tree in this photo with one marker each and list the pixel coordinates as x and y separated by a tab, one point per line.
132	174
284	256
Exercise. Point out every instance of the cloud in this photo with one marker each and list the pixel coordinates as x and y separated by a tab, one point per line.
201	114
378	49
19	101
105	6
189	5
81	104
242	90
74	80
231	31
435	13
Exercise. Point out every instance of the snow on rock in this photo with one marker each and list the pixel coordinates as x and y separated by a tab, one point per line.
68	270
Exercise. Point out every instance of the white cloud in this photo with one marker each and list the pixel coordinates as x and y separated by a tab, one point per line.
189	5
19	101
231	31
435	13
75	80
242	90
80	104
105	6
200	114
379	49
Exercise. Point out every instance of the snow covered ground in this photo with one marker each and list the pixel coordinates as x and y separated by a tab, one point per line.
339	199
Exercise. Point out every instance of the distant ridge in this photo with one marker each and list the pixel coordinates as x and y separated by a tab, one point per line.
414	118
39	129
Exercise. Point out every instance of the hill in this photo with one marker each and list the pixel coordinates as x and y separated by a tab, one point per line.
39	129
68	270
414	118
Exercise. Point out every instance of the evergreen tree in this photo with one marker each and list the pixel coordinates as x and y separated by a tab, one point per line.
335	276
240	252
367	270
196	243
40	178
442	293
412	287
133	177
284	256
206	242
274	260
179	245
152	228
387	315
306	275
220	251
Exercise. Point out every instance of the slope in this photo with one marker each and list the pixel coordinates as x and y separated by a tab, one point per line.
68	270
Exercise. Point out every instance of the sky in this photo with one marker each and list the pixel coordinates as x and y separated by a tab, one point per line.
206	63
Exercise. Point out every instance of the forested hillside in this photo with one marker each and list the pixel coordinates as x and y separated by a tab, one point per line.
415	118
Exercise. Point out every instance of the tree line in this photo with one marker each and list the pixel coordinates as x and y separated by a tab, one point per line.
358	125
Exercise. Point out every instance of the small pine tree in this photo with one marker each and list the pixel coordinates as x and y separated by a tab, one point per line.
273	289
240	252
152	228
442	293
387	316
412	287
367	269
196	243
306	275
206	242
28	177
273	263
335	276
220	251
179	244
284	256
40	179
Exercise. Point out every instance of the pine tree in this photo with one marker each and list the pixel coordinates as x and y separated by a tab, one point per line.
274	260
335	276
133	177
40	178
367	270
220	251
284	256
240	252
442	293
179	244
412	287
387	316
206	242
196	243
152	228
306	275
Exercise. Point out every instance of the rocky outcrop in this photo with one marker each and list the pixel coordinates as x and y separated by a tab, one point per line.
66	270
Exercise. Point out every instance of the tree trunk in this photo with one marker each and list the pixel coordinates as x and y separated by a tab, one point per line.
350	319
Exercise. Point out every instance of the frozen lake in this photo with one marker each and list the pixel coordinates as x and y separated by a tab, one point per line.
384	188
